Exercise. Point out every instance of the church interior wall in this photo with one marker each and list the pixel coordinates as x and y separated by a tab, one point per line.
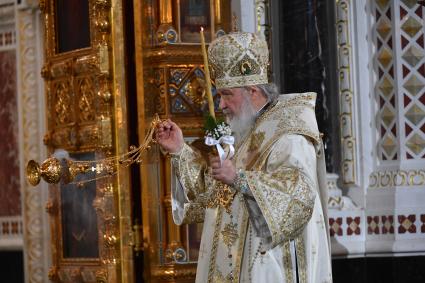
10	208
399	109
11	236
24	237
390	188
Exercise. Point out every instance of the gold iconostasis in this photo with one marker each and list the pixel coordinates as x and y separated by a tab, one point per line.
109	67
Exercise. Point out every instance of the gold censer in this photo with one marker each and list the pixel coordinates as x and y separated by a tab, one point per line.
53	170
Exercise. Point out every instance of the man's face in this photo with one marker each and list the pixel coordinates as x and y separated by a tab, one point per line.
237	106
231	101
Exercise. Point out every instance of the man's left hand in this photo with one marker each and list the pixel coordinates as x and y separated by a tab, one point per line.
224	172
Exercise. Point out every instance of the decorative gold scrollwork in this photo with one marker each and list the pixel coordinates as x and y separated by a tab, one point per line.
86	102
397	178
53	274
101	276
42	5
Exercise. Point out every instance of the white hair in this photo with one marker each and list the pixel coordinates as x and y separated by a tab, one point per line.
270	91
243	123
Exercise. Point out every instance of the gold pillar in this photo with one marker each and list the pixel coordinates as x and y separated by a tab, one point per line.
123	187
222	17
217	14
165	12
166	32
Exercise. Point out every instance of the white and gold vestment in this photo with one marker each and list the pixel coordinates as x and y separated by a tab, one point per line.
276	232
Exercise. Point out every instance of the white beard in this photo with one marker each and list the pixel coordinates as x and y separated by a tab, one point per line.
242	124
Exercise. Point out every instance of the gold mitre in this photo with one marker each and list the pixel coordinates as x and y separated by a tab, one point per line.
238	59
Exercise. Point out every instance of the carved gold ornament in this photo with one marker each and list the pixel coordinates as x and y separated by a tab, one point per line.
196	91
53	170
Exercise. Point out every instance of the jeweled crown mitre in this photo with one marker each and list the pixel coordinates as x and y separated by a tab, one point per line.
238	59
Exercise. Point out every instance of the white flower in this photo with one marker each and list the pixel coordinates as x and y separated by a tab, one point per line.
219	131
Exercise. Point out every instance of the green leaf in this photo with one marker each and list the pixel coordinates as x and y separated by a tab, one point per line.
209	123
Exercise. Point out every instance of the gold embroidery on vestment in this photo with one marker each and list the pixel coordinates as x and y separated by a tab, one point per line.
256	141
287	206
194	213
288	186
219	277
242	238
230	234
215	241
221	195
287	261
301	260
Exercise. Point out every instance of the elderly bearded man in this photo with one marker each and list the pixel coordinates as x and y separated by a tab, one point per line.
273	229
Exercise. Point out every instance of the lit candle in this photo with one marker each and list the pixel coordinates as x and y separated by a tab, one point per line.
207	75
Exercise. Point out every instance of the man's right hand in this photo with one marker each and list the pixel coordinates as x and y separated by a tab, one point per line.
169	136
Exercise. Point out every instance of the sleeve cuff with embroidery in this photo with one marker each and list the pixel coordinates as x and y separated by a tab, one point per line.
241	183
286	199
